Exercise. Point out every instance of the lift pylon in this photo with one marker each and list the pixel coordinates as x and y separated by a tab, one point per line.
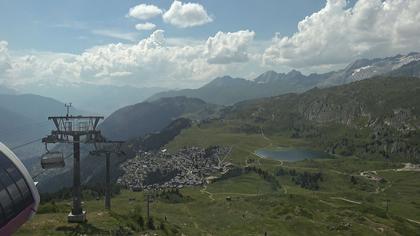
71	129
103	146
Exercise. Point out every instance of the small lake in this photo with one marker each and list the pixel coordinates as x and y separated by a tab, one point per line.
290	154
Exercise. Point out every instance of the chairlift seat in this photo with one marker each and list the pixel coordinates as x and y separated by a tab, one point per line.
51	160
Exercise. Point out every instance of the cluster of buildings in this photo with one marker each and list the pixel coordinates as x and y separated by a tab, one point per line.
187	167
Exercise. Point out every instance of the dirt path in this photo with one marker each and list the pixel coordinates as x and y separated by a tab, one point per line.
252	153
222	161
346	200
204	191
265	137
413	221
241	194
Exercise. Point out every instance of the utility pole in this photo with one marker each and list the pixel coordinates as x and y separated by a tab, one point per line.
148	199
107	148
108	182
70	129
77	191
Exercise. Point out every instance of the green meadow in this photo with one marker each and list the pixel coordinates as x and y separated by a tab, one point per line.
247	204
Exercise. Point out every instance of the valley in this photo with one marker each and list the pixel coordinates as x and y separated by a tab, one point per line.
210	118
336	160
249	203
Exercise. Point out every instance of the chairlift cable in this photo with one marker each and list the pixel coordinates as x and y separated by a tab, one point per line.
25	144
23	130
12	129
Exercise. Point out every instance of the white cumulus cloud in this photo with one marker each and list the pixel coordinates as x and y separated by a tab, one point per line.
144	11
340	33
145	26
4	53
152	61
225	48
185	15
4	58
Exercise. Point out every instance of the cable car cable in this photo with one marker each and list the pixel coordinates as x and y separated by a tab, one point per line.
8	130
25	130
25	144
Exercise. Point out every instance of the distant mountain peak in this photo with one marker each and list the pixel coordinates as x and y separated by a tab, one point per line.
269	73
367	68
357	64
400	58
227	90
268	76
294	74
225	81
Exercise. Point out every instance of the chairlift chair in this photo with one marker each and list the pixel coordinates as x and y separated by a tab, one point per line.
51	160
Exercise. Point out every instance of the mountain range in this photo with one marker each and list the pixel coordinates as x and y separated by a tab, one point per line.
376	117
149	117
99	99
277	101
227	90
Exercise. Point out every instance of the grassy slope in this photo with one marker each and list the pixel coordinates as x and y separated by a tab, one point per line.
255	207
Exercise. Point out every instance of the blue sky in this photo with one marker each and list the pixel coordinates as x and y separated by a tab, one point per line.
185	44
66	26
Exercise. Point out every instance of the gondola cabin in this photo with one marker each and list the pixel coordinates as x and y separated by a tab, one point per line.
51	160
19	197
